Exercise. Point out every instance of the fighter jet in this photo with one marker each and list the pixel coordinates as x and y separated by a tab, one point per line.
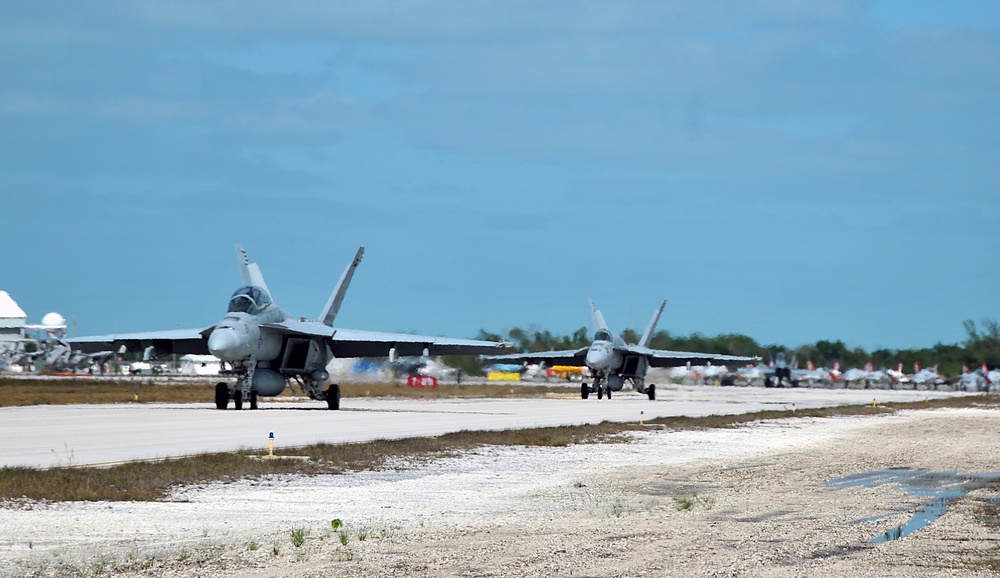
813	375
925	376
778	371
268	349
612	362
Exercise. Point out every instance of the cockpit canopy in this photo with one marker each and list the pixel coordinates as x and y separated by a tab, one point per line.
249	299
602	335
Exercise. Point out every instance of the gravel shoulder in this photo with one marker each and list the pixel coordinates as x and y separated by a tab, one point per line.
748	501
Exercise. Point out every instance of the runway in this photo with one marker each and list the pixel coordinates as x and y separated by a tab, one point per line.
72	435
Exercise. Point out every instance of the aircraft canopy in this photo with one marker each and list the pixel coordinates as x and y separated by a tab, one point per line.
249	299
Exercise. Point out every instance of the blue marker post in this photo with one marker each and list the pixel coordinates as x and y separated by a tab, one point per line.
270	445
641	415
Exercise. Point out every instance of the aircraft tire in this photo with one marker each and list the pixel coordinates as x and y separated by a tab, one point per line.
333	396
609	392
651	392
585	390
221	395
253	399
600	392
237	400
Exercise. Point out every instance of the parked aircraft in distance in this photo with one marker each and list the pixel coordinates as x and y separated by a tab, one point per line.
778	371
993	376
973	380
897	375
813	374
925	376
869	375
751	373
268	348
612	362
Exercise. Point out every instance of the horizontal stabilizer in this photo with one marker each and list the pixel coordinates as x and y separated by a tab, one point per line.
337	297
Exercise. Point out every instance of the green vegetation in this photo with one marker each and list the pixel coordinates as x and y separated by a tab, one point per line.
689	501
142	481
981	346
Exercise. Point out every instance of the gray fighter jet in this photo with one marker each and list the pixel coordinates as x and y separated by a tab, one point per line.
612	362
267	348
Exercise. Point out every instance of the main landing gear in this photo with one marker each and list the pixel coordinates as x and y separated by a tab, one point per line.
333	396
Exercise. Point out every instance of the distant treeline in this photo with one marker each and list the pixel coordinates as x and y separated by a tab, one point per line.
981	346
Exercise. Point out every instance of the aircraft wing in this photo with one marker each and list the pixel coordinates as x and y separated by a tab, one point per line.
179	341
360	343
577	357
664	358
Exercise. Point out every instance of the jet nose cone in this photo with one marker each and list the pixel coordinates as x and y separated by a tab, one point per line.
225	344
597	358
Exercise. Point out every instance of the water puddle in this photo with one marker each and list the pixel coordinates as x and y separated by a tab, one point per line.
941	489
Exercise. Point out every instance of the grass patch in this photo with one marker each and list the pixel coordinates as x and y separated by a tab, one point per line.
143	481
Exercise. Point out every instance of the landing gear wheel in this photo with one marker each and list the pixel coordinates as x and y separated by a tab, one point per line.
609	393
584	390
651	392
333	396
238	400
600	392
221	395
253	399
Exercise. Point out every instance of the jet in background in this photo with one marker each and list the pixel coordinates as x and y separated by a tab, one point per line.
612	362
992	375
778	371
868	375
973	380
268	349
925	376
897	375
814	375
751	374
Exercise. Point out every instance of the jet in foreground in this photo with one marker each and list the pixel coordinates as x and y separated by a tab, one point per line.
267	348
612	362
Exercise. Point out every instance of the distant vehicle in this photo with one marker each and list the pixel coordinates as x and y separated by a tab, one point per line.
267	348
612	362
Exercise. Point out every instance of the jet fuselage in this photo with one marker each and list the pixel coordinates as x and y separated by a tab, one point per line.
239	336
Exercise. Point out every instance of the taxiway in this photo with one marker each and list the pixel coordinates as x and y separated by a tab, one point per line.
72	435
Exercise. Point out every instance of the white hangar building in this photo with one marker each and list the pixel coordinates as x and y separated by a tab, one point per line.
12	319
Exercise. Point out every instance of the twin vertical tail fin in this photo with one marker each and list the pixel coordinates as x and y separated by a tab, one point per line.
336	299
598	318
648	334
249	272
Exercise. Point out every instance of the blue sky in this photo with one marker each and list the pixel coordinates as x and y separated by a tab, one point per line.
791	170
